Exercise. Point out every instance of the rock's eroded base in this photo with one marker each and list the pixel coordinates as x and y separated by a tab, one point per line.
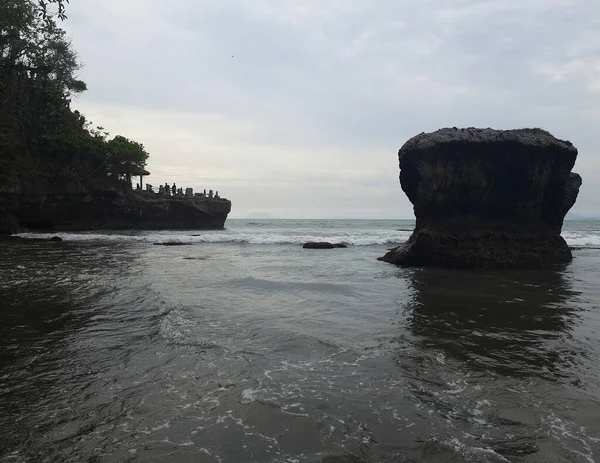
485	250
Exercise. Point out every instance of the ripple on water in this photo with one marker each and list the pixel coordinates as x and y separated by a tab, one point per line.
140	354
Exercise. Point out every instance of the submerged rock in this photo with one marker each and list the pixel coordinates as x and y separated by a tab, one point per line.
20	240
323	245
4	238
487	198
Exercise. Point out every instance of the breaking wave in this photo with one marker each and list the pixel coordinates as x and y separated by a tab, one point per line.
356	239
582	239
278	236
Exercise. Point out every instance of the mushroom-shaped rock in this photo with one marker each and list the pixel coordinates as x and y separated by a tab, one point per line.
487	198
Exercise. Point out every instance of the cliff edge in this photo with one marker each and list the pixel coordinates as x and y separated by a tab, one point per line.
487	198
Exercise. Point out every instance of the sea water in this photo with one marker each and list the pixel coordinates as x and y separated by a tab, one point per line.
244	347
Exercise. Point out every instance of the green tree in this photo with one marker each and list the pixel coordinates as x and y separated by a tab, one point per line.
122	150
43	143
60	8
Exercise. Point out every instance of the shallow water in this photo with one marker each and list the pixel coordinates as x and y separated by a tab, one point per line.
113	349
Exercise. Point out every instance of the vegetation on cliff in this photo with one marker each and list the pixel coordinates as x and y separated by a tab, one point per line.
44	144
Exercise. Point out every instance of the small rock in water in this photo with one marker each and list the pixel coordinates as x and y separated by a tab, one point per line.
172	243
323	245
56	238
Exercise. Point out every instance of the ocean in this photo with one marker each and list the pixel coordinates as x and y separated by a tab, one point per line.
244	347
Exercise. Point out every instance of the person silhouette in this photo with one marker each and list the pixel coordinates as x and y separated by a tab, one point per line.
174	189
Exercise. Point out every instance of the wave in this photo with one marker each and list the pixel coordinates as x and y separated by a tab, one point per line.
356	239
264	237
582	239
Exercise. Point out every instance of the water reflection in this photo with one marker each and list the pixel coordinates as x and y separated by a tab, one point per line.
49	290
50	296
511	322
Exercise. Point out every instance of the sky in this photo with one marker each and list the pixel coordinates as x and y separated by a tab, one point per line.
297	109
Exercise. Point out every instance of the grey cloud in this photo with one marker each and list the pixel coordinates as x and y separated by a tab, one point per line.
318	93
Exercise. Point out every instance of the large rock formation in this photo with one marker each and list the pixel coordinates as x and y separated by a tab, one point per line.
487	198
115	207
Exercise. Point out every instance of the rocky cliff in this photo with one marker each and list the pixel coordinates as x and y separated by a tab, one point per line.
117	207
487	198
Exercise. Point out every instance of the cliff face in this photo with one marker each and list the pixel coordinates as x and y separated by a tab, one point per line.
487	198
107	208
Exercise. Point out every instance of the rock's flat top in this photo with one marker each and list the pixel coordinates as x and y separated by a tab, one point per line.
530	137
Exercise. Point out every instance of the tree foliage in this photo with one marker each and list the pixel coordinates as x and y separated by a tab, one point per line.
123	150
43	142
60	6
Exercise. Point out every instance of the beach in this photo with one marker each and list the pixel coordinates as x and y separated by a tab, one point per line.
241	346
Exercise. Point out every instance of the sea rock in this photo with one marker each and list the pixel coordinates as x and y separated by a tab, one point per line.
487	198
172	243
56	238
323	245
9	224
4	238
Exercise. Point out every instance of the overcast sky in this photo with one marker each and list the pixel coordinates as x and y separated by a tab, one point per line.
297	108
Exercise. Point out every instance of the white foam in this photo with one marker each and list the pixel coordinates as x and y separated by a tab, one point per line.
588	238
249	395
568	434
355	237
475	453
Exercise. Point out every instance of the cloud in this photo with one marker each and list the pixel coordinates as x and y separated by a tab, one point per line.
299	108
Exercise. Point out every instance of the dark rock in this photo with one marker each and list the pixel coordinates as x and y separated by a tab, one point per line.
11	239
487	198
56	238
110	206
9	224
172	243
323	245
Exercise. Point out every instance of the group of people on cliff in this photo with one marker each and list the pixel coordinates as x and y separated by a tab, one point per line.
166	190
173	188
